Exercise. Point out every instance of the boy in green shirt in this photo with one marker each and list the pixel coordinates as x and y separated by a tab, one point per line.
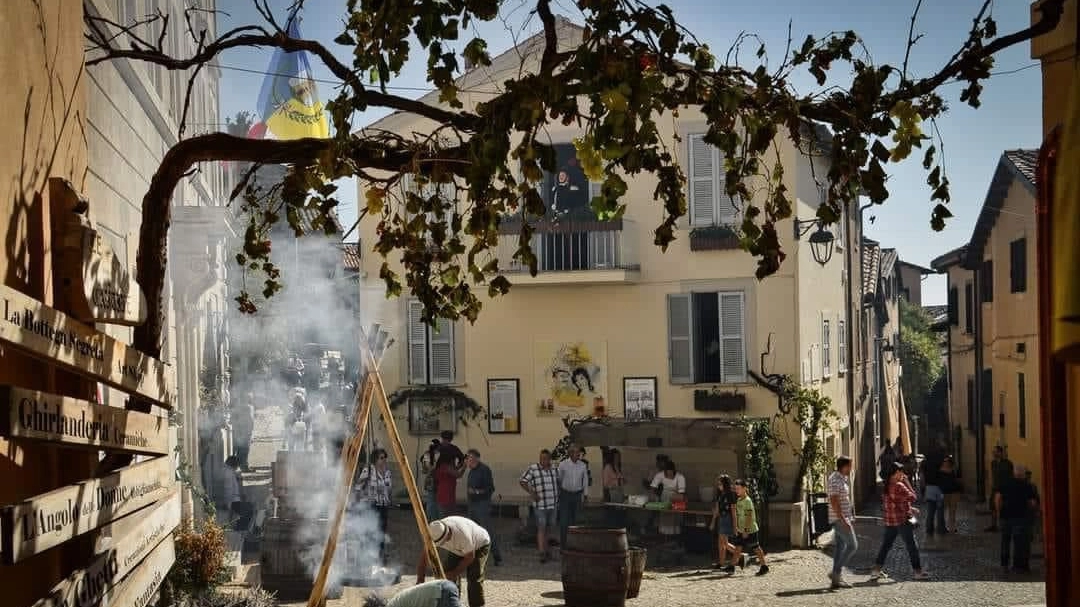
746	529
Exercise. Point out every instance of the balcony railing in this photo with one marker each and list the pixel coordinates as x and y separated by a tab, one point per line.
572	246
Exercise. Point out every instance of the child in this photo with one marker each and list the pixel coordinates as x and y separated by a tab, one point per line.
746	528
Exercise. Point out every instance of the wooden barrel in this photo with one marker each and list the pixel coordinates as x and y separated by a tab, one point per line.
596	539
594	579
636	556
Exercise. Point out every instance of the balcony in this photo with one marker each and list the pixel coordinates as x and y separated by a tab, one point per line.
572	252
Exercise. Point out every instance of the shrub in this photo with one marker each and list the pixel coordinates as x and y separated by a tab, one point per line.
200	559
248	597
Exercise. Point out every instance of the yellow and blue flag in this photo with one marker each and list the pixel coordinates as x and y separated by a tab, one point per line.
289	106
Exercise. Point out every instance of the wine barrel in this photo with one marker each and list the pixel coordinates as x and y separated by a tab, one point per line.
636	556
594	579
596	539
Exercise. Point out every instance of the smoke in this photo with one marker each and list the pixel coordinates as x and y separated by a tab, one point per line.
304	340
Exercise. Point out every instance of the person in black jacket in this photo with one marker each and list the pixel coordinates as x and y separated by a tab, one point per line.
480	489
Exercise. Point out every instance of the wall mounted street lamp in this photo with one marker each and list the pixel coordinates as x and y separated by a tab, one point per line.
821	241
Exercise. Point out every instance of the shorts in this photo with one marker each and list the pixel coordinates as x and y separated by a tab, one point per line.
547	518
750	542
724	527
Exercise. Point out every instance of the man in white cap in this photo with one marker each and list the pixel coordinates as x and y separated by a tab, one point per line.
469	545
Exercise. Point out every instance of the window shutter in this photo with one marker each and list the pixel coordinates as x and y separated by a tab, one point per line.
417	333
954	307
441	357
841	343
680	338
702	182
987	281
594	189
826	348
969	308
732	337
726	209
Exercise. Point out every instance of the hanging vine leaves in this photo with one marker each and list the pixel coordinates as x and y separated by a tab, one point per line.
635	66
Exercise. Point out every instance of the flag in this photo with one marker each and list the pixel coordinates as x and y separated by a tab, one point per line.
289	106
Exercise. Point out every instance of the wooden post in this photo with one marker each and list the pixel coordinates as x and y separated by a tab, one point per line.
350	457
406	474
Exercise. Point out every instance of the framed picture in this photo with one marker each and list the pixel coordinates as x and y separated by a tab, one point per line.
639	399
504	406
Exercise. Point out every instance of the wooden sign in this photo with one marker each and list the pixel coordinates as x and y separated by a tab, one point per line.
102	289
50	519
71	422
44	332
86	587
138	589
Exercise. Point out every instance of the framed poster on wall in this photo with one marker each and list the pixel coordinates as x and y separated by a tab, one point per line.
639	399
504	406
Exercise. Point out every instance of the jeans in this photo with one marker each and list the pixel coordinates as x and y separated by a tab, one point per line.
384	521
1016	534
451	596
935	515
845	543
569	507
907	533
431	506
474	574
480	512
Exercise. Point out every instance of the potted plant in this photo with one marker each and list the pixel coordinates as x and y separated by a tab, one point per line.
714	238
716	400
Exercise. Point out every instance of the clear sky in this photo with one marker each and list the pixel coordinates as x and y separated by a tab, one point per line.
1010	116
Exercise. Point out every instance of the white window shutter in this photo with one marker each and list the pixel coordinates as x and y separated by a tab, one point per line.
841	342
727	212
417	334
594	189
441	356
733	337
826	347
702	180
680	338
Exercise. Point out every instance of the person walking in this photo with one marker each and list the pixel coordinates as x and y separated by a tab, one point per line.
898	520
1017	503
746	530
243	426
468	545
934	497
480	487
375	485
541	482
573	476
723	522
952	487
1001	474
842	519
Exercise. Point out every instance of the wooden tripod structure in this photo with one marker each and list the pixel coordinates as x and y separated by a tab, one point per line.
371	391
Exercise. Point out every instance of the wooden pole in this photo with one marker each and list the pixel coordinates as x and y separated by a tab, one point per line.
406	473
350	456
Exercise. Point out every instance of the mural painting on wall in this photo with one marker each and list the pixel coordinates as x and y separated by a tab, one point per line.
572	377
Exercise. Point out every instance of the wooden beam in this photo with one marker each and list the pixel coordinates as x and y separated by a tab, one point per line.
406	473
46	333
86	587
72	422
50	519
350	457
138	589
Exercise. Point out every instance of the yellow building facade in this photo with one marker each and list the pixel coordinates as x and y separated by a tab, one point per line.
611	322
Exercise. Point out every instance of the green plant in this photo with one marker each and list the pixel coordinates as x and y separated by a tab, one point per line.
248	597
921	354
812	412
761	440
464	407
717	231
200	559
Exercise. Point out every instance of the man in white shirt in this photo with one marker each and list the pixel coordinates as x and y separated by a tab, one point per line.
842	519
469	545
573	481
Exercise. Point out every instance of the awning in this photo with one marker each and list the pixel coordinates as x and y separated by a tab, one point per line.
667	433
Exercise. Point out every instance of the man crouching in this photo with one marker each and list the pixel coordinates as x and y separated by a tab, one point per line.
469	545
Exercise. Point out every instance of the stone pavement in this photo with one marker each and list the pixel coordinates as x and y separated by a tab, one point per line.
963	567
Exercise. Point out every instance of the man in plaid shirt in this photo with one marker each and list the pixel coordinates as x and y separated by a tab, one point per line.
842	519
541	482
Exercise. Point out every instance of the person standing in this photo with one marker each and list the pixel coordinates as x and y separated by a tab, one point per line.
746	529
1016	502
612	478
1001	474
670	486
952	487
573	477
375	486
469	545
243	426
934	496
898	513
842	519
428	460
723	522
541	482
480	487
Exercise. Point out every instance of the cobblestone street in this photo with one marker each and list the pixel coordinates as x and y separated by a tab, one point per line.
963	567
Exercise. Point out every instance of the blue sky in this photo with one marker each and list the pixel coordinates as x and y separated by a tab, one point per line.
1010	116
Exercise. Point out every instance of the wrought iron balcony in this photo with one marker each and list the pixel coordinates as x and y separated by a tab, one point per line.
572	251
